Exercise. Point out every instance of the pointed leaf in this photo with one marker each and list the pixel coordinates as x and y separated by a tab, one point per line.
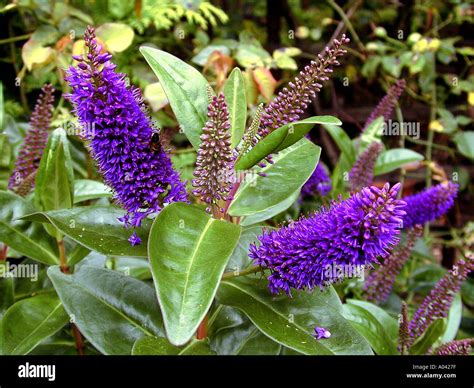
185	88
87	189
234	91
188	251
29	321
390	160
24	236
290	170
110	309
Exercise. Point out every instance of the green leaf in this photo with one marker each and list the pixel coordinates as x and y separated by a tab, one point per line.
240	258
7	297
429	338
185	88
54	183
234	91
97	228
271	211
390	160
373	132
454	320
282	138
343	141
291	169
153	346
236	335
291	322
25	237
110	309
5	160
389	323
30	321
465	143
368	326
188	252
87	189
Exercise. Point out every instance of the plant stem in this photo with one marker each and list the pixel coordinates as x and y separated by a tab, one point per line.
348	23
202	329
3	252
65	269
248	271
15	38
403	171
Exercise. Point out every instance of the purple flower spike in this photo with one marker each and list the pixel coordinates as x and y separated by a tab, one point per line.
321	333
291	102
362	173
354	232
318	183
114	120
215	161
454	348
387	104
430	204
134	240
379	283
23	176
436	305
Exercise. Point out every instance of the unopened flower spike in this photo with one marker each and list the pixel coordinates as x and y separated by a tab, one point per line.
291	102
362	173
379	283
454	348
387	104
430	204
251	135
436	305
115	122
403	331
23	177
357	231
215	159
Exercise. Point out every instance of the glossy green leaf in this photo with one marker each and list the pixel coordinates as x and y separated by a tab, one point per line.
343	141
454	320
389	323
465	143
87	189
291	169
54	183
282	138
97	228
272	211
153	346
234	91
368	326
236	335
110	309
395	158
291	322
30	321
373	132
429	338
185	88
24	236
7	297
188	251
131	266
240	257
5	160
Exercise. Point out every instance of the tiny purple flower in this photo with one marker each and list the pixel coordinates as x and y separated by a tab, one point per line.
321	333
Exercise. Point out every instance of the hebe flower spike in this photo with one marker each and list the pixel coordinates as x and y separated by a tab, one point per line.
23	176
357	231
115	122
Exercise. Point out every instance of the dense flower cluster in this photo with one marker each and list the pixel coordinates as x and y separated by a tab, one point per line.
354	232
114	120
454	348
437	303
387	104
379	283
291	102
23	176
362	173
318	183
430	204
215	160
403	331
